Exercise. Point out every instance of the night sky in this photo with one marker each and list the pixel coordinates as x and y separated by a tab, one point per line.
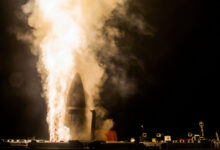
175	72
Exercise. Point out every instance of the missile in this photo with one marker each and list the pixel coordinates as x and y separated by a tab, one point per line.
76	109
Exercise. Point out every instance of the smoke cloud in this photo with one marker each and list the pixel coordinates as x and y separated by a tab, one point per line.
75	36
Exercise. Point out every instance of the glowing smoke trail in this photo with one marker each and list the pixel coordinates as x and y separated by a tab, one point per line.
66	33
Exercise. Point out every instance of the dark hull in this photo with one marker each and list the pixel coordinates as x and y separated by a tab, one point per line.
78	145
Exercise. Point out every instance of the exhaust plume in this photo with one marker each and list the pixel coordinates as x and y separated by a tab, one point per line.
66	35
73	38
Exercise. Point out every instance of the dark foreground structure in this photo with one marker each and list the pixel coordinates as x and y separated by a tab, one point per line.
101	145
161	142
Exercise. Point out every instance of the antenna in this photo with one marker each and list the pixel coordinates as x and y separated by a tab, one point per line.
217	137
201	124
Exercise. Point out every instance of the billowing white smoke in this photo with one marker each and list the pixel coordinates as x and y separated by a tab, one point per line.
66	36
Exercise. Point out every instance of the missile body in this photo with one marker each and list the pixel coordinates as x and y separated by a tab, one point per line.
76	109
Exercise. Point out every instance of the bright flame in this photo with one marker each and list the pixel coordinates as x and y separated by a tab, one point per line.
66	33
57	49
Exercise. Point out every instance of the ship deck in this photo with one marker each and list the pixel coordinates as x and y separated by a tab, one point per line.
101	145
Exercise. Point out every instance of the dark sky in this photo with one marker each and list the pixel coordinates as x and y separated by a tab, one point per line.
175	72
